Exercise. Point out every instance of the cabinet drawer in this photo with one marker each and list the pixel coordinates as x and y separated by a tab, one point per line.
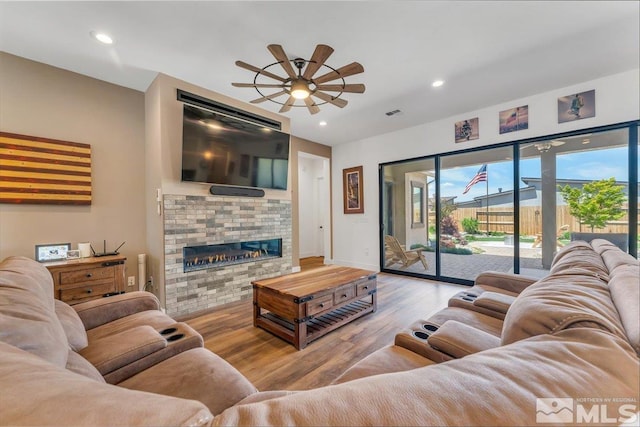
317	305
84	276
365	287
92	290
343	294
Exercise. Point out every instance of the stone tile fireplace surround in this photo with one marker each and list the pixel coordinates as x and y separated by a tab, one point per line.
208	220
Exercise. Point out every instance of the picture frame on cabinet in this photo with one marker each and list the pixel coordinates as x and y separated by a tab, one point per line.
52	252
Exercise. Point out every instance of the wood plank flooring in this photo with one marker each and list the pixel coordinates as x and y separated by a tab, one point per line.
272	364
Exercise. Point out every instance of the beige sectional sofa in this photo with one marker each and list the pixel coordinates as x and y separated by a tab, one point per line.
112	361
572	335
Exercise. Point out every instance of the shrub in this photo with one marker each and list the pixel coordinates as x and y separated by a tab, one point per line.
470	225
448	225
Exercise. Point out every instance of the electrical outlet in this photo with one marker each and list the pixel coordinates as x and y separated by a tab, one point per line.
131	281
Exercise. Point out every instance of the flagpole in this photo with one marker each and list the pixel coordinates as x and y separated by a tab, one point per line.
487	198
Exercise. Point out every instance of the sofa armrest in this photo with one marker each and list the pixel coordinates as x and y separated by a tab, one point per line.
458	340
494	301
515	283
115	351
104	310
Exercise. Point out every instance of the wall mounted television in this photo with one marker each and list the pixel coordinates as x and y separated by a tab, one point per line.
219	149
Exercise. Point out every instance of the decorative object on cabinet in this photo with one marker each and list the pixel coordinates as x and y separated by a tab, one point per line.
577	106
353	192
44	171
52	251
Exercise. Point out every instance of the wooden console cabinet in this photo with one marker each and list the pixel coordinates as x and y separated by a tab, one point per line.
84	279
302	307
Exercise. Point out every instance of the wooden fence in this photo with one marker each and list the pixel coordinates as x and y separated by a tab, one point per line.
501	220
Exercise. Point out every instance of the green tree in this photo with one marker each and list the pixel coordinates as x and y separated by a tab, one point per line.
595	203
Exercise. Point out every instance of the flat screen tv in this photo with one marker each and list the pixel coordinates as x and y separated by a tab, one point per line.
219	149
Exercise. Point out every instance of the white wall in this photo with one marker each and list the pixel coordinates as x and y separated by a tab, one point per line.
356	237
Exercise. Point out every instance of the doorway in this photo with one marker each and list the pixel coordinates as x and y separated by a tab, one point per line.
314	207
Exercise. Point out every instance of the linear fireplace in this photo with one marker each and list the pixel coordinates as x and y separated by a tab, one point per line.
225	254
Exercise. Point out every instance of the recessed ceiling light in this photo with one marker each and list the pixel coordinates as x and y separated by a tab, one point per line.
322	123
102	37
437	83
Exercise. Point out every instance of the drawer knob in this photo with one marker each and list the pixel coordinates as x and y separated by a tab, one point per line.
344	295
366	287
89	274
89	291
321	304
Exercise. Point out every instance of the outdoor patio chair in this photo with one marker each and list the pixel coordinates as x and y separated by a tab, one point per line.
400	255
538	241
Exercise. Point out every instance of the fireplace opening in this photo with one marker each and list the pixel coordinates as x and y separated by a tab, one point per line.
225	254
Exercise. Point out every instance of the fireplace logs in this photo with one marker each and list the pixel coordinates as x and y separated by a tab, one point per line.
212	256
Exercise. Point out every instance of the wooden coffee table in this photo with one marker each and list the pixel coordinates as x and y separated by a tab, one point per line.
302	307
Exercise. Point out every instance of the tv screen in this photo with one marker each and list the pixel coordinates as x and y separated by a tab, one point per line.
219	149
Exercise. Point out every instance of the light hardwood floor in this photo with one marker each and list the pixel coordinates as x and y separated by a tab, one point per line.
272	364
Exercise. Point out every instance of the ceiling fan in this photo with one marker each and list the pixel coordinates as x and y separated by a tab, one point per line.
300	83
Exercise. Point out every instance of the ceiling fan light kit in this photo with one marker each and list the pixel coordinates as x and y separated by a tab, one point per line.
300	83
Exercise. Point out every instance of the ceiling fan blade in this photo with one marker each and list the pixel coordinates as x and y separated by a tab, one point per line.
338	102
278	53
255	85
313	108
347	70
287	105
320	55
268	97
352	88
259	70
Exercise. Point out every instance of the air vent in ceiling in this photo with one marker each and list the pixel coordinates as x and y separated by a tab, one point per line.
392	113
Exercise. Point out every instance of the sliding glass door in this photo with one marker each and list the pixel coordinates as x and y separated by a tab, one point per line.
509	207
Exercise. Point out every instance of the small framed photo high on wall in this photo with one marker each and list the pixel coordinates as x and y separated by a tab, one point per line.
352	190
514	119
466	130
577	106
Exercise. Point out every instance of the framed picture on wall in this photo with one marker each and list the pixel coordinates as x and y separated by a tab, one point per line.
577	106
514	119
466	130
352	190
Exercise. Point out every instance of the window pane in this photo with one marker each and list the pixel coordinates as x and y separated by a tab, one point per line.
476	219
573	188
407	217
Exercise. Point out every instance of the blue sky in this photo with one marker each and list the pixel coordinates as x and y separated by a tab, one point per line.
587	165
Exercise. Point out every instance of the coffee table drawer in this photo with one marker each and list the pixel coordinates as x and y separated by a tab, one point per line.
319	304
365	287
343	294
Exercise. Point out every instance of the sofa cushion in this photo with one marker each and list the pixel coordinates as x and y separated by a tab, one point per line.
573	298
195	374
154	318
579	255
27	314
80	365
388	359
625	293
42	394
72	325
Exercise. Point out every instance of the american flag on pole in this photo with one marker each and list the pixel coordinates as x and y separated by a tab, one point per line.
480	176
